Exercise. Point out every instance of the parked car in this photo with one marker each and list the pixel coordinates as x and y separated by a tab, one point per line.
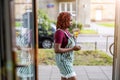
46	37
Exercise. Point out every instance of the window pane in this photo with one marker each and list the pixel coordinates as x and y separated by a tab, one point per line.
74	6
68	7
24	39
63	7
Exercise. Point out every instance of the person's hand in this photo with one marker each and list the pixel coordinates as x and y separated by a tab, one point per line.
76	48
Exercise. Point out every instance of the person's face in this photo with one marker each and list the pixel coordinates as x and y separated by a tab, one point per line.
71	21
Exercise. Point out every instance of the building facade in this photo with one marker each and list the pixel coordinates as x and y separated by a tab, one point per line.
102	10
80	9
84	11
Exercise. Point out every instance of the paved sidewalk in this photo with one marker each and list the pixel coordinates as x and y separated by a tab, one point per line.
83	72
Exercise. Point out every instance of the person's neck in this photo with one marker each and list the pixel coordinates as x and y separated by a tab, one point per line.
65	29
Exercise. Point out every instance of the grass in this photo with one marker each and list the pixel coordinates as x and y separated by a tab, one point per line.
88	32
46	57
92	58
106	24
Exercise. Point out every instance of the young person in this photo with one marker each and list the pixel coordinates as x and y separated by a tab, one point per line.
64	45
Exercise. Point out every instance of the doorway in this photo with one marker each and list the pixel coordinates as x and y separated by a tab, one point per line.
94	43
27	47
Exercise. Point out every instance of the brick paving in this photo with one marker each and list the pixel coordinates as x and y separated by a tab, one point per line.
83	72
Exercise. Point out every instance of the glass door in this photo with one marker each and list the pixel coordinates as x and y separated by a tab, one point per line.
25	40
18	40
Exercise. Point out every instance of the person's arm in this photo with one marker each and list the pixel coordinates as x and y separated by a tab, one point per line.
58	49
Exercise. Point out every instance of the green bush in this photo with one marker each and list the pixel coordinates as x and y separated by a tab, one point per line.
74	25
44	20
87	57
18	24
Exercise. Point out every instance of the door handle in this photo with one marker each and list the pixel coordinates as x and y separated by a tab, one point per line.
110	48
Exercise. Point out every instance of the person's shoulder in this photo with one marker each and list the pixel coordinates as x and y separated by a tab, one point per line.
59	31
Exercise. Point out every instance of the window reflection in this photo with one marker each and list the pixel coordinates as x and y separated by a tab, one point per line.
24	39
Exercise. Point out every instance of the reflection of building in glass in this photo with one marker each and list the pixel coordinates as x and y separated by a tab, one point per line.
20	8
24	17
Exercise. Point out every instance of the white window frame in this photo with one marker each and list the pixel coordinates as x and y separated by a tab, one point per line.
73	12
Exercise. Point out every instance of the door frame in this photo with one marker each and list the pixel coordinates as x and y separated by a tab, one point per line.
7	57
7	67
35	37
116	55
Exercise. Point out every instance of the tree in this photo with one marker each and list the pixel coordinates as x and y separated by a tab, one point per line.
44	20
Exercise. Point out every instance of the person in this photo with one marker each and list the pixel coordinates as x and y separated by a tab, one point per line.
64	45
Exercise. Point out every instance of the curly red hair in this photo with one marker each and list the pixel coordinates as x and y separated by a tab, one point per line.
63	20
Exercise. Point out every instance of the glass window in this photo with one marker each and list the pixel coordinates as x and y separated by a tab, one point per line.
62	7
24	26
68	6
